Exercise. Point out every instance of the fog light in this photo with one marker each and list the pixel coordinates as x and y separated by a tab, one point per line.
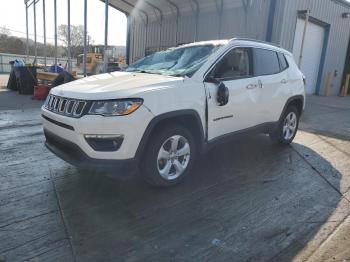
105	143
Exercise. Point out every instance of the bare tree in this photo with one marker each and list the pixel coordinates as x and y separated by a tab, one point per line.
77	38
4	31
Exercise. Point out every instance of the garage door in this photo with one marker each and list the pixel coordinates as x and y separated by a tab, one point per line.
312	52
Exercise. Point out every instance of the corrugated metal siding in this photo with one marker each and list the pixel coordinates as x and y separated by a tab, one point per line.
328	12
250	23
236	21
186	29
278	21
245	22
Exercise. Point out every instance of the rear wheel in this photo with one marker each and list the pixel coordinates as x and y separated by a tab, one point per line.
169	156
287	128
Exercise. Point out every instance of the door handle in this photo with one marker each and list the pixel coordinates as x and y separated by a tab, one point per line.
251	86
284	81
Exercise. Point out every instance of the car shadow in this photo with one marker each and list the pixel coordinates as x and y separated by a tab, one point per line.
244	201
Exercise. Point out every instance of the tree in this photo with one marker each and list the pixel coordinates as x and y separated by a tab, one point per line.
77	38
4	31
11	44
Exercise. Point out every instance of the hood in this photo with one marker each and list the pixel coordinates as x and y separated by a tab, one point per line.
114	85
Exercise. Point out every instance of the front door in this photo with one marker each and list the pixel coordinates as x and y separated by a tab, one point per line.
242	109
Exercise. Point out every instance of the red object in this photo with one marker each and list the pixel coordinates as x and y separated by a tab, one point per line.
41	92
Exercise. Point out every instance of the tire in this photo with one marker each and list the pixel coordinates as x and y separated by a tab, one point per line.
287	127
162	164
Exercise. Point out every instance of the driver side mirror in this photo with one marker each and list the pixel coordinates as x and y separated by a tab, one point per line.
222	94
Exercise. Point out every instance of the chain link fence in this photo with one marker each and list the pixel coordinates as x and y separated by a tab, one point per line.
5	59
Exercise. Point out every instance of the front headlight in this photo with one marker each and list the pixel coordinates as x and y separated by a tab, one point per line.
115	107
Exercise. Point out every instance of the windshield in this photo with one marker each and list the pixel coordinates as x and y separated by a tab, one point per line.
179	61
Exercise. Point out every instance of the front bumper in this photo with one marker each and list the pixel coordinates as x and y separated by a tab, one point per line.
71	153
74	130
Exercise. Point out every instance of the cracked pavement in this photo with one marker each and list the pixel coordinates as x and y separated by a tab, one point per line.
245	201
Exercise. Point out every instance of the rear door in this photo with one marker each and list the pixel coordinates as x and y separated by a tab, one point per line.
273	83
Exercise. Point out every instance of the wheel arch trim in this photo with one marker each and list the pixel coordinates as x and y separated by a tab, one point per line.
289	101
167	116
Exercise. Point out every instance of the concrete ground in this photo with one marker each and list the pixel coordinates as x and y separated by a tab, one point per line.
245	201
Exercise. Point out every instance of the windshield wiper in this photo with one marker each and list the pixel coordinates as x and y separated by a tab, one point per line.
178	75
145	72
157	73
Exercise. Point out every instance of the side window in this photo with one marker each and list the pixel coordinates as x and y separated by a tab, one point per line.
283	61
265	62
234	65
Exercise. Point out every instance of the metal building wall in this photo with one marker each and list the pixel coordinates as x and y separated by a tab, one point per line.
242	20
326	11
236	20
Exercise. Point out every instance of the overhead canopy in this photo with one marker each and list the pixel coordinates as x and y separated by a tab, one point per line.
155	25
161	8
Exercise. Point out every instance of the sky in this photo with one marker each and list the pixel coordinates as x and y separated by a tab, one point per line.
13	18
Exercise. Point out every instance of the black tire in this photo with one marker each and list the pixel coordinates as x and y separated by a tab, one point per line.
278	136
150	164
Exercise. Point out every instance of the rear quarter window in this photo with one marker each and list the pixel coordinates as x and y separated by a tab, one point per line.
265	62
283	61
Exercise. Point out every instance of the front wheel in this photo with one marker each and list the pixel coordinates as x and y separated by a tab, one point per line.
287	128
169	156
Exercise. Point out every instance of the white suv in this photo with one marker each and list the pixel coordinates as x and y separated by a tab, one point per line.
172	105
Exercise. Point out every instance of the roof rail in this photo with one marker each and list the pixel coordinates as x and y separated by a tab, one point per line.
255	40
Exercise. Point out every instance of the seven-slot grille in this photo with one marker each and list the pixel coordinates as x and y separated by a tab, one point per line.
65	106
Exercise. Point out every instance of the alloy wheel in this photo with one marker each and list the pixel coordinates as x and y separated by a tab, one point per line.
289	126
173	157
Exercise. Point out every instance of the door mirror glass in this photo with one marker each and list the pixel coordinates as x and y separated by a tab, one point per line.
222	95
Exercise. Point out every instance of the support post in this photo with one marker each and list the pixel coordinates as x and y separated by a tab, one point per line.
44	24
303	39
270	20
85	36
146	35
69	54
128	39
221	10
2	65
35	40
160	33
197	19
27	33
55	22
105	57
